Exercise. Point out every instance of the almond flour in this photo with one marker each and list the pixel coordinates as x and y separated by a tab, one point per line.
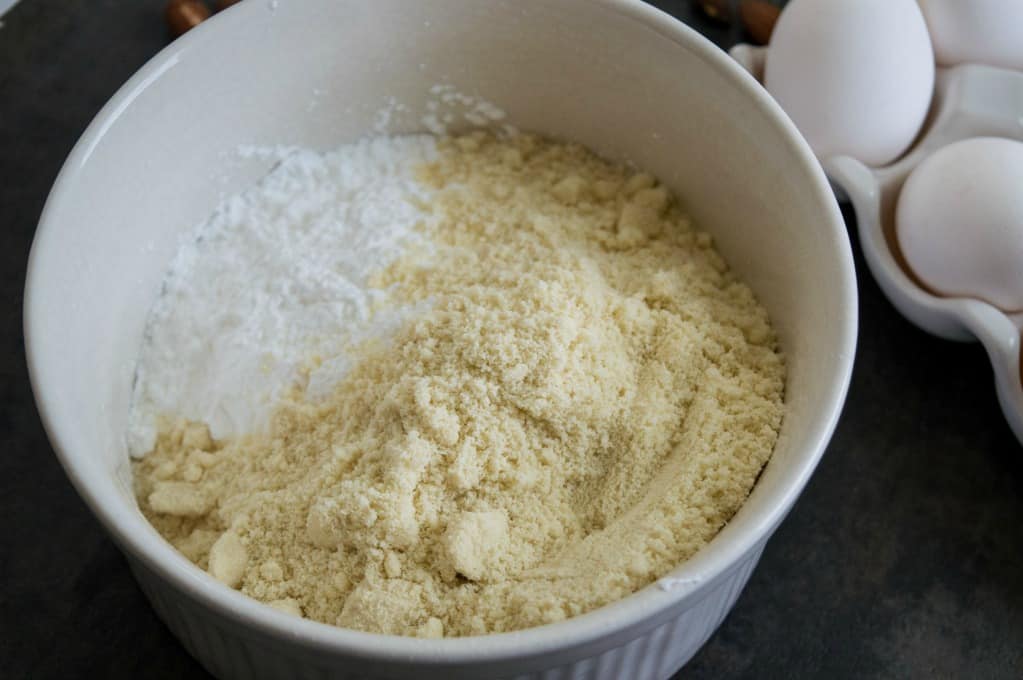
585	398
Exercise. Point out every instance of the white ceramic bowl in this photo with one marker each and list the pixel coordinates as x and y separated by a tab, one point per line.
616	75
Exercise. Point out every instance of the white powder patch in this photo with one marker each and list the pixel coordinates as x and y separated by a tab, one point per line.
452	108
275	277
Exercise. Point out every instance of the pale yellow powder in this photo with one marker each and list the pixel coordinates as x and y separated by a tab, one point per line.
588	401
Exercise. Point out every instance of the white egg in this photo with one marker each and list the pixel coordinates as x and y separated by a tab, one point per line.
856	76
959	221
984	31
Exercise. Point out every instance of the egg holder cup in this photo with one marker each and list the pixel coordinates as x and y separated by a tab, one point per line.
970	100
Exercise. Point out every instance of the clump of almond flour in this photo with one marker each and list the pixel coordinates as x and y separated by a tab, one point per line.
586	399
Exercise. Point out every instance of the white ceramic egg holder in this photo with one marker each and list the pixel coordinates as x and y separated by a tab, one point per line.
970	100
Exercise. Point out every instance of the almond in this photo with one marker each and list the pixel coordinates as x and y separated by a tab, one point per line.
183	15
718	10
758	18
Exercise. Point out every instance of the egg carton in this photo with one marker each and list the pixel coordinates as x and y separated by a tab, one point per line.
970	100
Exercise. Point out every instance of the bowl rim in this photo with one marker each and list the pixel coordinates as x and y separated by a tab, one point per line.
623	619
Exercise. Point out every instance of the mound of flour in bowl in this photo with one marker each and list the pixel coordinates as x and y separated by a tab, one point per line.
271	290
578	396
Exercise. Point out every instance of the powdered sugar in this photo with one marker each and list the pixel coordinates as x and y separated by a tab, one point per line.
450	107
275	280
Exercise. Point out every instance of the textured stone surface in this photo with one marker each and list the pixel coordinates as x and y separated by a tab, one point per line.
904	557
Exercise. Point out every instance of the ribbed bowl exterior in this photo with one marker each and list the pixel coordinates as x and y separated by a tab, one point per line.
232	652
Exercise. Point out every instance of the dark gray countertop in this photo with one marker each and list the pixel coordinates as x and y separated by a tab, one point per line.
903	558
